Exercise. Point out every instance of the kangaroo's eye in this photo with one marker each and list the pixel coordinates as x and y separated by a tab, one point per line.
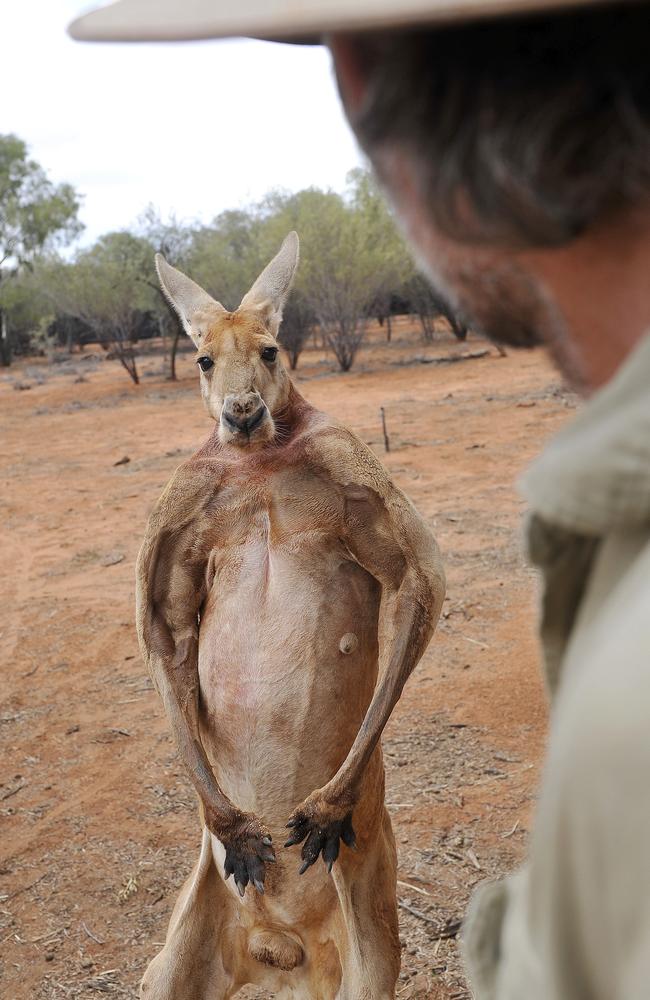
205	363
269	354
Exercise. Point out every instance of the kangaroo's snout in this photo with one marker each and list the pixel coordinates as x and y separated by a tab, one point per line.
243	411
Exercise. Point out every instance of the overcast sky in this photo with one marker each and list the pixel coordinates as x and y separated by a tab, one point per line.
193	128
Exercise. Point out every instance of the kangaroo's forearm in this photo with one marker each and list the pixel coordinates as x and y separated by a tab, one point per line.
412	623
177	682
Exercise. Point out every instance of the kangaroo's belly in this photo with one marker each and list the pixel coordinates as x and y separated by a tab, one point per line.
287	666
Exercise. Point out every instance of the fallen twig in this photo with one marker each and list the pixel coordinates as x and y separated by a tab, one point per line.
504	836
451	359
415	888
49	934
12	791
476	642
26	887
90	933
472	857
450	929
417	913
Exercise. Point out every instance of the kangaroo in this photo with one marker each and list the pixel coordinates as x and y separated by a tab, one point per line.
285	591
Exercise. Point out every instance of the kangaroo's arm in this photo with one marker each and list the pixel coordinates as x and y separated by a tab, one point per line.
170	589
396	547
385	534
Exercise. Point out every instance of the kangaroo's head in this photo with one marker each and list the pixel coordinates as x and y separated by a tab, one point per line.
243	380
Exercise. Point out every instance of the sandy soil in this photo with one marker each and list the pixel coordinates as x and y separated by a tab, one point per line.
99	824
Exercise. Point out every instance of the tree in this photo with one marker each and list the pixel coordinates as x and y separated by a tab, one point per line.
68	332
35	215
227	256
104	288
174	241
428	305
26	311
352	258
392	261
336	276
423	303
298	320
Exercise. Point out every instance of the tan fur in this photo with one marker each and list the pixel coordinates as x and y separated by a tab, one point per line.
318	587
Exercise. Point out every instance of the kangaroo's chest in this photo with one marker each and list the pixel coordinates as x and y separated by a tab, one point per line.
276	510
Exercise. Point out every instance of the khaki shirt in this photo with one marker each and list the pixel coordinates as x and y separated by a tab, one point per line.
575	923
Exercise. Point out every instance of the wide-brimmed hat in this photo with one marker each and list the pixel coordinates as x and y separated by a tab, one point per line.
285	20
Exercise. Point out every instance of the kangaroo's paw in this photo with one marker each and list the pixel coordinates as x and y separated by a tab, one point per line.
317	824
248	850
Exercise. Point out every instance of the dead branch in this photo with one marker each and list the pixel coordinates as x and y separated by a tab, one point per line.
383	427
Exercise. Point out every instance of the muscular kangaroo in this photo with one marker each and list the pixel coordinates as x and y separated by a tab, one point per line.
285	591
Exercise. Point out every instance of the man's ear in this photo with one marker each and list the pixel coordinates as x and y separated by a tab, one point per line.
188	299
270	291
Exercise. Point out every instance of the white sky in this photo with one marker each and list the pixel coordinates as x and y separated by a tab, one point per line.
193	128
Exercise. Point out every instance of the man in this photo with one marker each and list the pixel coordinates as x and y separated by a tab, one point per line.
513	138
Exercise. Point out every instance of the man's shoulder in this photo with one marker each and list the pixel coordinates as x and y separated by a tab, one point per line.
605	692
614	612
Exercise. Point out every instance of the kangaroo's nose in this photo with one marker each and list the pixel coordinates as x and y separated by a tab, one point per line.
243	411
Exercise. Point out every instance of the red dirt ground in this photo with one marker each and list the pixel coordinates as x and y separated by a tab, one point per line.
99	823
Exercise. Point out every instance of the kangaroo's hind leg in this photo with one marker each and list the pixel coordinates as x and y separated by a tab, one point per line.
200	949
369	945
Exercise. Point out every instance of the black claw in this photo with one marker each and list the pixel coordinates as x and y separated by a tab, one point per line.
293	822
256	871
348	835
267	855
241	877
259	886
304	867
298	834
331	851
267	841
312	846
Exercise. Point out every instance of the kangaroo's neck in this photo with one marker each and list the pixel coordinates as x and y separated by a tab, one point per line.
291	418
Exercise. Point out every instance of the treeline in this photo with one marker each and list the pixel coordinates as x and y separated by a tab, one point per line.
354	266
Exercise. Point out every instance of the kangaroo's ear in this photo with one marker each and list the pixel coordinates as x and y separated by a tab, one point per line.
269	293
188	299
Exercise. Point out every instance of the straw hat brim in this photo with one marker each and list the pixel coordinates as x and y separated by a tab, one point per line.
304	21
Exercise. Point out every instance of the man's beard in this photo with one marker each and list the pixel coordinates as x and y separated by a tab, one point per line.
504	303
490	292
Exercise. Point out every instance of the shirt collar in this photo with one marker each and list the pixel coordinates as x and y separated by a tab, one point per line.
594	476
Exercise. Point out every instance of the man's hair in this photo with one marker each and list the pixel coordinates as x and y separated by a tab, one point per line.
525	131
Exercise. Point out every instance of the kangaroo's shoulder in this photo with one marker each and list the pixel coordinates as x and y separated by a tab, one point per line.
346	458
190	490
